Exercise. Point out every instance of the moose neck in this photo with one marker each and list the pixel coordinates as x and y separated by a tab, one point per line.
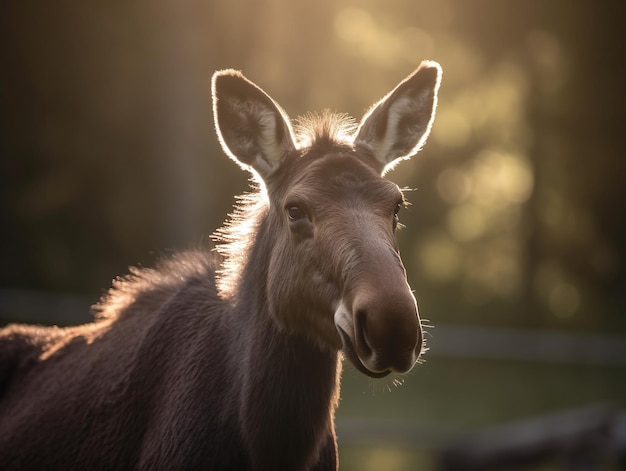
288	380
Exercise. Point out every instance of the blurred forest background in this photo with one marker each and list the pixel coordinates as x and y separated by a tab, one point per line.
108	158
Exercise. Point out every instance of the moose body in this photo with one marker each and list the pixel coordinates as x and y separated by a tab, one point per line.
231	358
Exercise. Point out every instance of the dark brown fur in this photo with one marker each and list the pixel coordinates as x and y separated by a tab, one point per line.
226	359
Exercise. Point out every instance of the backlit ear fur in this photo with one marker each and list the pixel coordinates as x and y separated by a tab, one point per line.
252	129
397	126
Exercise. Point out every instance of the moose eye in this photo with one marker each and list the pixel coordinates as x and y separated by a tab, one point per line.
295	212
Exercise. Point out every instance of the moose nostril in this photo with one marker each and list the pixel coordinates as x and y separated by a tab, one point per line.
361	333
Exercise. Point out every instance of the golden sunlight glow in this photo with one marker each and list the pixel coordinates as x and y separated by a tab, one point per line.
482	245
378	44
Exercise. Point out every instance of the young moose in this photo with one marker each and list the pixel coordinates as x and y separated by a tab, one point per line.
230	359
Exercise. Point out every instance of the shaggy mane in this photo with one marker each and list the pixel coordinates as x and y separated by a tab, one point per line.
233	239
156	285
325	130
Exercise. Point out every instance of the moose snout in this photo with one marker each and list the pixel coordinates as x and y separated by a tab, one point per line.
381	333
387	333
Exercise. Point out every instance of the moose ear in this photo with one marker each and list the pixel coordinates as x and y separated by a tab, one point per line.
252	129
397	126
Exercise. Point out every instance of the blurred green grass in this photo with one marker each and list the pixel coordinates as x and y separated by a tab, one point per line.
455	396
